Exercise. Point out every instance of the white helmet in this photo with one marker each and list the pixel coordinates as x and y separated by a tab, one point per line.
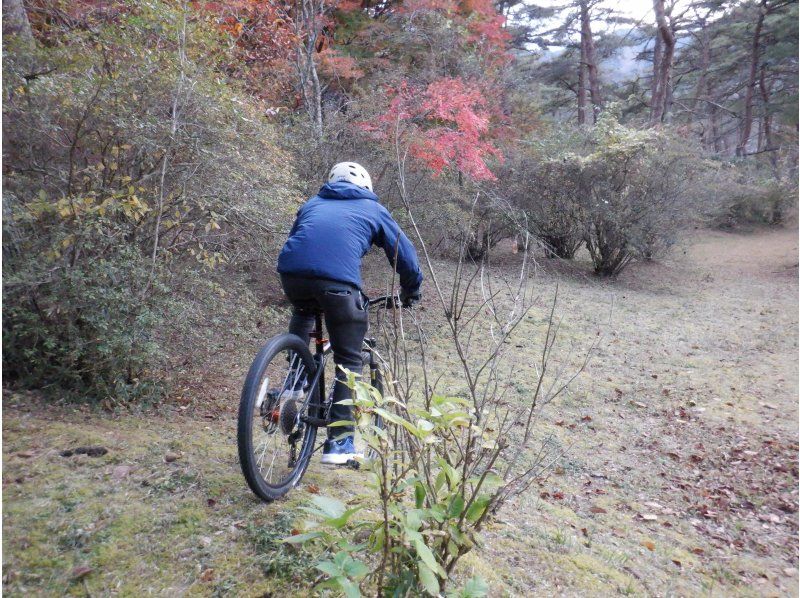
350	172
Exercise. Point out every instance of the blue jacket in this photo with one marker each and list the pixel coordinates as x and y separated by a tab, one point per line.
335	229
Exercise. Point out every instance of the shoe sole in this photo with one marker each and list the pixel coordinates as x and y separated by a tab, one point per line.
340	459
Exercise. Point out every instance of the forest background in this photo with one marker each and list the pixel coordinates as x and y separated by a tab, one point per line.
155	153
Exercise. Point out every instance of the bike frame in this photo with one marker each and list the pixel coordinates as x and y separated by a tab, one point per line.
321	353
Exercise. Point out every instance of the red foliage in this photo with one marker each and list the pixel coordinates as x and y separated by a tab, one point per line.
487	31
446	125
260	27
264	41
490	33
336	66
482	8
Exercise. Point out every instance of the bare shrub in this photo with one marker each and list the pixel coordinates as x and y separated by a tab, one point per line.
637	193
454	451
548	192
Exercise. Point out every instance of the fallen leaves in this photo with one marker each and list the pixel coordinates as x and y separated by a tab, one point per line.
597	510
649	544
648	516
121	471
172	457
207	575
557	495
80	572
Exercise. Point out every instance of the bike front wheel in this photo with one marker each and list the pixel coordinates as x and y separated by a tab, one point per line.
376	380
275	444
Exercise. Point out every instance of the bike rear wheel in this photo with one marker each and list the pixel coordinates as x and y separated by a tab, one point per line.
275	444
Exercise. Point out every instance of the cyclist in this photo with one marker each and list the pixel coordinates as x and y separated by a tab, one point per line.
320	269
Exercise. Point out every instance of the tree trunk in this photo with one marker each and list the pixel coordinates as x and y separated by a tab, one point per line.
590	57
747	123
15	20
582	84
766	119
663	70
669	92
658	51
702	91
307	29
712	117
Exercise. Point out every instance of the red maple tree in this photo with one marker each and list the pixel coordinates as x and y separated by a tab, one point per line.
446	124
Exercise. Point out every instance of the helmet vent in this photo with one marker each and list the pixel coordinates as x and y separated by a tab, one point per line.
352	173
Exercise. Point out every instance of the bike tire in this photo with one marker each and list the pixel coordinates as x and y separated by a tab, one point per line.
266	491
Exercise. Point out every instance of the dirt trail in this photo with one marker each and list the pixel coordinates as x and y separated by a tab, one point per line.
680	474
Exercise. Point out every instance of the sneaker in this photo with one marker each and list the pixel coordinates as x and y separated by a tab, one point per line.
339	452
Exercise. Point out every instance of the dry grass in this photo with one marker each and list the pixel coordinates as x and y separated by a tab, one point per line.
688	413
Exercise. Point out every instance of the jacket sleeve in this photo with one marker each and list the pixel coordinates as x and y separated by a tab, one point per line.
394	242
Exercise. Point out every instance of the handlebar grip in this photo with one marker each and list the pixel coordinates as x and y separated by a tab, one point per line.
386	301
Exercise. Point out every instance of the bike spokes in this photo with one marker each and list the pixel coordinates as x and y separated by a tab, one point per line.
276	421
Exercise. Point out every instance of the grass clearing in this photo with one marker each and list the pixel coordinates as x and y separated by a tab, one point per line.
691	448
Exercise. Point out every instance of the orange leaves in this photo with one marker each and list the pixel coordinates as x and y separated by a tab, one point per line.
263	41
412	6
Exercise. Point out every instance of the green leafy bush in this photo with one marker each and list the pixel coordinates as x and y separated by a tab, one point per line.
623	192
134	175
547	190
84	329
430	514
747	193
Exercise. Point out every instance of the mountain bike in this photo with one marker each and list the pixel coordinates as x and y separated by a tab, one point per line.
284	401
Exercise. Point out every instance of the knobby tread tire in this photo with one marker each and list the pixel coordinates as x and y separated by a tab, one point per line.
260	487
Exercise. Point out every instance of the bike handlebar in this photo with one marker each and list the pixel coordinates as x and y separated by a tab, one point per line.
386	301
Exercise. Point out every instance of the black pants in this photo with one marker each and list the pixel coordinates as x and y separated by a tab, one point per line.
346	319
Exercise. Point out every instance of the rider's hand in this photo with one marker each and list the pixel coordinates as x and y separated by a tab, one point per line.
409	299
